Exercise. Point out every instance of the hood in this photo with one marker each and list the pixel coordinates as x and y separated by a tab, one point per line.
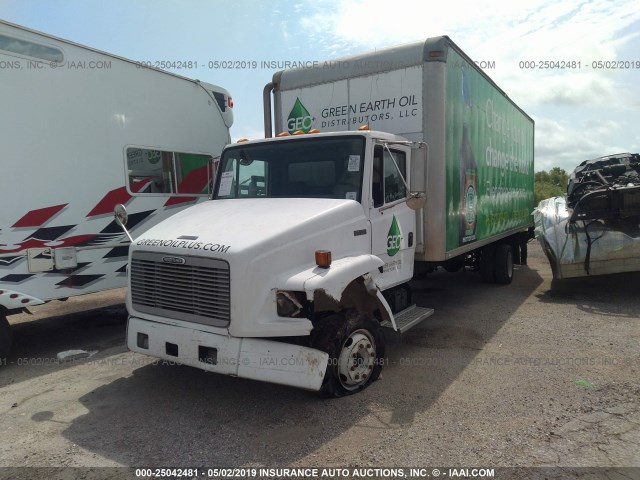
264	241
243	225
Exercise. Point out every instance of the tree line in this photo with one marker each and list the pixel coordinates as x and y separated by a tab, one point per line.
550	184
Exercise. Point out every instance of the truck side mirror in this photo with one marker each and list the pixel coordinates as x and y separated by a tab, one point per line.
121	217
419	157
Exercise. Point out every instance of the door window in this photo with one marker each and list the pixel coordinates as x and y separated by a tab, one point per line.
387	184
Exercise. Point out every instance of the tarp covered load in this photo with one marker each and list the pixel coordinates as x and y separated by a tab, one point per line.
596	230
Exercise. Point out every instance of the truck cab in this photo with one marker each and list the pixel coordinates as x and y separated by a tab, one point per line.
323	171
289	273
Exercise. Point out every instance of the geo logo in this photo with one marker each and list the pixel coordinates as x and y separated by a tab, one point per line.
299	118
394	238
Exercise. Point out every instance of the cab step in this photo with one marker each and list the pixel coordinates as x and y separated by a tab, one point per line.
409	318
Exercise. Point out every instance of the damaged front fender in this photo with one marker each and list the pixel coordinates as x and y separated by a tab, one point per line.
335	279
348	283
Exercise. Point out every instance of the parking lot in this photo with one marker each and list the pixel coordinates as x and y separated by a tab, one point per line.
538	373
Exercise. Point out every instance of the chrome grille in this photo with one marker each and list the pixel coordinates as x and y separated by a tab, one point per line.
197	290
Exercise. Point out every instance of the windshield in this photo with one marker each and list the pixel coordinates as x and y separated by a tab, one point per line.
301	168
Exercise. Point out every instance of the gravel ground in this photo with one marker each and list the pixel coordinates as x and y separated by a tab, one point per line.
538	373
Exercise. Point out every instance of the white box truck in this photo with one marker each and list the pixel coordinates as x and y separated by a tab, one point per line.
306	251
84	130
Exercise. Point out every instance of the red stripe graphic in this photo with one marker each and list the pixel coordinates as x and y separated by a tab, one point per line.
195	181
35	218
109	201
177	200
114	197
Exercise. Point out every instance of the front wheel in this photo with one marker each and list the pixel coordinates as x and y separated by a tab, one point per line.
355	346
5	336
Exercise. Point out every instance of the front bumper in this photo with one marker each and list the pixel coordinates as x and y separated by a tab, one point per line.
252	358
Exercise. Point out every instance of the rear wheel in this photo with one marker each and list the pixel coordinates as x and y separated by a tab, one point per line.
487	264
504	264
355	346
6	337
454	264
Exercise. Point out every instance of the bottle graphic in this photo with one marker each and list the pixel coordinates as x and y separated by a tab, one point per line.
468	174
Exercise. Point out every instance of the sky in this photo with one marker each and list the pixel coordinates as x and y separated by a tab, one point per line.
586	111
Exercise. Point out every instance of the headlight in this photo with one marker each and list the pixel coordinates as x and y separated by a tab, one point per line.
292	304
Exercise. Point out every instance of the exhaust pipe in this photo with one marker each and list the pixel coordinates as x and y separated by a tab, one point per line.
266	102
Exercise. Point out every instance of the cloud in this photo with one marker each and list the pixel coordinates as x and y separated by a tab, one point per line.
577	42
507	33
567	89
565	144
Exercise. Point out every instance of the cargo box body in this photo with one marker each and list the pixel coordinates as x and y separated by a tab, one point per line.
480	143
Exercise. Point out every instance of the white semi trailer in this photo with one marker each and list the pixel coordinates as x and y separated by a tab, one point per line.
84	130
308	246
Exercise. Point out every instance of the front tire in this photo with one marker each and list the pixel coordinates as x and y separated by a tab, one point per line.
355	346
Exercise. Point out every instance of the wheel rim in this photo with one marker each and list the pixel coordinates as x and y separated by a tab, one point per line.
357	359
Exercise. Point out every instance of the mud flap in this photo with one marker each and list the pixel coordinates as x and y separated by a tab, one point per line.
373	289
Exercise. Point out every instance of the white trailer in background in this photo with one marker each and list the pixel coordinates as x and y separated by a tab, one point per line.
82	131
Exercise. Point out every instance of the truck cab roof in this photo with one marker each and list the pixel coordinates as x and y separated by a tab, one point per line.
373	134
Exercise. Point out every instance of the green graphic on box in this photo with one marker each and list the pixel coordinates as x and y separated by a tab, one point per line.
489	164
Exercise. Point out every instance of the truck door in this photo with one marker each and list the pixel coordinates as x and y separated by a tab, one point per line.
393	224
